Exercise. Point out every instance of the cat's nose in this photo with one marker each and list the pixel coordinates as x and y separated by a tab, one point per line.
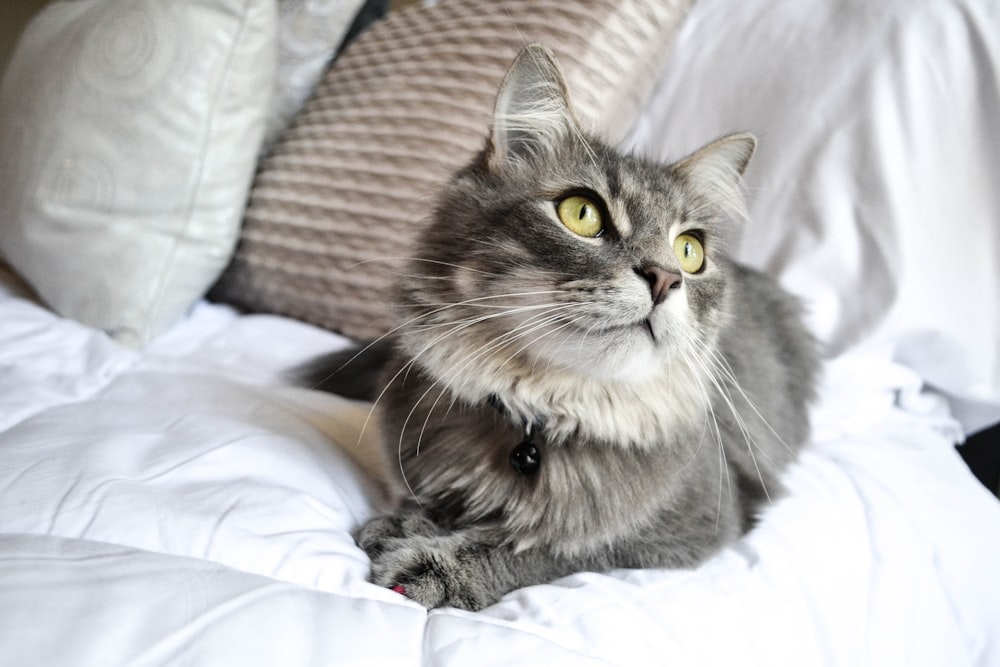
660	280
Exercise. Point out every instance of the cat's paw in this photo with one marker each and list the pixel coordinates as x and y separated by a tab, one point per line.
375	536
379	534
435	575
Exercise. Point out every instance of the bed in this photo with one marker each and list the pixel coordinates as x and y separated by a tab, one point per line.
169	498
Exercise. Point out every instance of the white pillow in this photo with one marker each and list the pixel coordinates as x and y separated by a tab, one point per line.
129	131
875	192
309	34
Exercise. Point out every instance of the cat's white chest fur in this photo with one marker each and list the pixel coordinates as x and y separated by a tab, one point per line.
641	413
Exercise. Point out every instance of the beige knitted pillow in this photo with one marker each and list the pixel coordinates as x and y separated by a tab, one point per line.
338	200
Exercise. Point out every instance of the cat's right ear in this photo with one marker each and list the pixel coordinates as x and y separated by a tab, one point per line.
716	170
532	113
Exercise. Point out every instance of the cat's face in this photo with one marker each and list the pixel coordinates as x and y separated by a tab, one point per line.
555	252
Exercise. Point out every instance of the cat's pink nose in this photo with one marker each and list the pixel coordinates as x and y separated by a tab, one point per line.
660	280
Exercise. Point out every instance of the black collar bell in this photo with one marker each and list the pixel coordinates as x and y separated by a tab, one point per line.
525	458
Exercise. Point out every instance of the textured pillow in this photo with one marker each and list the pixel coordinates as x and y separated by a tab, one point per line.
875	192
309	33
129	131
342	193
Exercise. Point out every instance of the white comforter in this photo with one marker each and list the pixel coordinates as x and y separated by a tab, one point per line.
181	506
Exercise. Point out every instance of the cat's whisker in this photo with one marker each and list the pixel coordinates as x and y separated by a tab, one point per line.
533	342
545	311
551	359
529	327
531	324
466	361
581	339
731	381
711	420
490	297
410	322
403	260
469	358
427	419
726	369
454	330
477	302
441	308
416	404
727	398
723	464
399	455
503	311
512	262
506	337
509	337
402	371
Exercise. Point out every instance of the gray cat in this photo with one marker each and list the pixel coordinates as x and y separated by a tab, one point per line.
581	379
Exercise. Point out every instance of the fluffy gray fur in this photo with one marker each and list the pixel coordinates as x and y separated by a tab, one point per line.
663	418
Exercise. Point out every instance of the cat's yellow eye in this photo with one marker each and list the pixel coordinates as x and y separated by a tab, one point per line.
690	253
581	215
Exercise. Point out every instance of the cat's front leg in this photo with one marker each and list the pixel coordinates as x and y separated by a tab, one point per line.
466	569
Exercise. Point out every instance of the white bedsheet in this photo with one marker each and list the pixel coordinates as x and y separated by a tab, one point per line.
180	506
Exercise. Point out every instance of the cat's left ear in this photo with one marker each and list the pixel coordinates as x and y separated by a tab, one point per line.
715	171
532	113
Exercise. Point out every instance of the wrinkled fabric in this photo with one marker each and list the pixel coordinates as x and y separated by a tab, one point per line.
182	504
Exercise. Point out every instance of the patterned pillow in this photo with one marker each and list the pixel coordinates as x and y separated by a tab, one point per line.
336	203
129	132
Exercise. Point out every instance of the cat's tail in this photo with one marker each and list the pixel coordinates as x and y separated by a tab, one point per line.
352	373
